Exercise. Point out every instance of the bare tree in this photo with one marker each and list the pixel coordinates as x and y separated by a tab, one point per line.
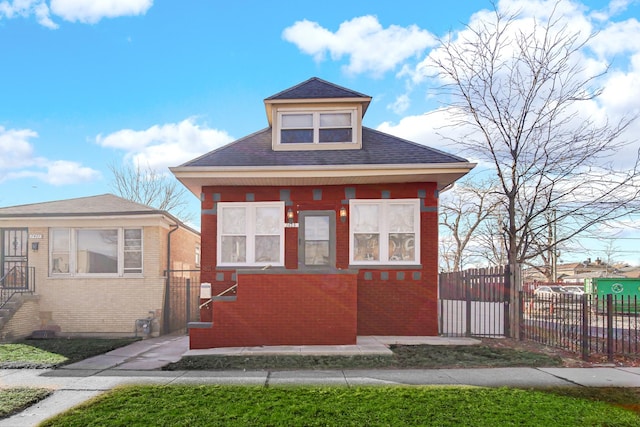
517	92
463	211
147	186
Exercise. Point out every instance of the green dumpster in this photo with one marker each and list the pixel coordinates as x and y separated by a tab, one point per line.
625	291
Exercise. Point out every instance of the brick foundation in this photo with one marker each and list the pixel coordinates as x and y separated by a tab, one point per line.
283	309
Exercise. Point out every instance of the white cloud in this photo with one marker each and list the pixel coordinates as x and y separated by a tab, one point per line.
84	11
401	104
429	129
15	149
18	160
92	11
166	145
369	46
63	172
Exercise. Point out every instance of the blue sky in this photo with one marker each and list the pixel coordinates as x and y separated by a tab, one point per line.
84	83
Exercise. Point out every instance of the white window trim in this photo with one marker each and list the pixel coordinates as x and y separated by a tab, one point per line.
73	253
250	233
316	145
384	232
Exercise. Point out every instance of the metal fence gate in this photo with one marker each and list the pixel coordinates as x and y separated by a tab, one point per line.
182	299
474	302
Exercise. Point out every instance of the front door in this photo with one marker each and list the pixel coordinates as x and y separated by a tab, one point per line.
317	239
13	258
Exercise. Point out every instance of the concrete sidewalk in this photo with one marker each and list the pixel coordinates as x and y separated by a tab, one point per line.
139	363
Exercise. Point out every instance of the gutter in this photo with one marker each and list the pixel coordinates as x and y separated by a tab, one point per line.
166	324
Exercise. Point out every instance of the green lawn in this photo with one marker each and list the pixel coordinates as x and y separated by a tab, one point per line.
343	406
13	400
52	352
404	356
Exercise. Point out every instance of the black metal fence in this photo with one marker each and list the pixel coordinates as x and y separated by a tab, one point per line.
593	326
183	298
474	302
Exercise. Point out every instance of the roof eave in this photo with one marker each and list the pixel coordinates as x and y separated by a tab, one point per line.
194	178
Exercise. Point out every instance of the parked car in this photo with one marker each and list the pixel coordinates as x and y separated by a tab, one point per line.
547	292
577	290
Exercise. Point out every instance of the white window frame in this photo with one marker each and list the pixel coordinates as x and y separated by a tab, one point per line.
383	230
73	253
316	144
250	233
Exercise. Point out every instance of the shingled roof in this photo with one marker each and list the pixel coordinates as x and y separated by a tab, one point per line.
378	148
381	158
317	88
93	205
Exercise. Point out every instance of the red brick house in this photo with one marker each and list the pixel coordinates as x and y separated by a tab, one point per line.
328	228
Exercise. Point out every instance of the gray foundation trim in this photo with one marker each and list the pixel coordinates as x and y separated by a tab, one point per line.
250	197
281	270
317	194
385	194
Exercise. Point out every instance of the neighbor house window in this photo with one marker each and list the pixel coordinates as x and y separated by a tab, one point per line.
251	234
317	127
100	251
384	231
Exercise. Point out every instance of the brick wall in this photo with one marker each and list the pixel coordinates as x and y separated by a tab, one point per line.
102	306
24	321
391	300
283	309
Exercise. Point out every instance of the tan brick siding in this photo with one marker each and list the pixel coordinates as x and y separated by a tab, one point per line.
101	306
24	321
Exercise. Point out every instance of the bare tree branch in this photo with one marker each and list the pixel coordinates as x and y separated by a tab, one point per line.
518	94
151	188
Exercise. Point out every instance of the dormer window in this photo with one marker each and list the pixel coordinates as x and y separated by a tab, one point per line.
298	129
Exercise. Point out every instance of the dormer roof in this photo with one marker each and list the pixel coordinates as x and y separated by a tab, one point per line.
377	158
316	91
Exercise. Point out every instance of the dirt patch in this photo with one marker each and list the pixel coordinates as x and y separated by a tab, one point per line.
569	360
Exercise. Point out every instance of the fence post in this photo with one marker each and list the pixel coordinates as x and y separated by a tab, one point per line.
188	314
586	327
610	327
521	315
467	287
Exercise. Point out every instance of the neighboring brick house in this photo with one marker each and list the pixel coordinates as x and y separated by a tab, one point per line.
90	266
328	228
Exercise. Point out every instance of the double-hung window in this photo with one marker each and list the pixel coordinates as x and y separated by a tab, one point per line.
99	251
250	234
384	231
317	127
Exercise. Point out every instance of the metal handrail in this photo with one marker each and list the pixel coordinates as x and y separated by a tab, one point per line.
27	278
219	295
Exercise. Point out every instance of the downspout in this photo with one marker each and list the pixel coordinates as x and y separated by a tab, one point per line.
166	324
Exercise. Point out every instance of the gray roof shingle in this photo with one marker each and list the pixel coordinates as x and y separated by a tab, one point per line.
83	206
378	148
316	88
